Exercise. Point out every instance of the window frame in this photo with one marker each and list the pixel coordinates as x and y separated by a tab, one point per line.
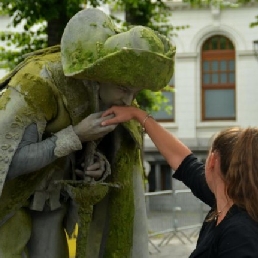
216	55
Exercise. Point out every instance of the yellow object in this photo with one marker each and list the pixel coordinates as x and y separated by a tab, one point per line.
72	243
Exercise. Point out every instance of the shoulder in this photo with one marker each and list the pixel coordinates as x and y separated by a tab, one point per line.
190	169
34	69
190	162
35	83
192	173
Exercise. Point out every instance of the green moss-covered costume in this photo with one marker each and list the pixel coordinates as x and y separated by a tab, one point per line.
40	93
47	90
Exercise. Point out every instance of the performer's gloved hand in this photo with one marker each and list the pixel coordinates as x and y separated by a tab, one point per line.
90	128
98	171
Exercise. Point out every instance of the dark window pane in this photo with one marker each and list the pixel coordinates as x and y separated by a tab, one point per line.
223	65
232	77
166	177
206	78
206	66
223	78
152	179
215	65
214	78
218	42
219	104
223	43
206	46
214	43
230	45
232	65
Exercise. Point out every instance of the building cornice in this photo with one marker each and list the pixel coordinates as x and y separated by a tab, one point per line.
175	5
189	55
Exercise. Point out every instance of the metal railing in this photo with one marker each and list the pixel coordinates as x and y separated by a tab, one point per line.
173	214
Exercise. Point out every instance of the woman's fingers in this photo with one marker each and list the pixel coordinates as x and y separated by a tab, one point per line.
110	118
108	112
112	121
121	113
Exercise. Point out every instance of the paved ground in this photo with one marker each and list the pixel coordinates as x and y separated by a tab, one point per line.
174	249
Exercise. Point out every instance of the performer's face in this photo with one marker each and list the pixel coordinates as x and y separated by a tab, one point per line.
116	95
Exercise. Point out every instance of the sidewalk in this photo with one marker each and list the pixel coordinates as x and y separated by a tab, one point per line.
174	249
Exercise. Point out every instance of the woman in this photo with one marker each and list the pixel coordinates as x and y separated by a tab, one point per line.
228	183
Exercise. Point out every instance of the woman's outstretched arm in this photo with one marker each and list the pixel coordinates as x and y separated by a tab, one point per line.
173	150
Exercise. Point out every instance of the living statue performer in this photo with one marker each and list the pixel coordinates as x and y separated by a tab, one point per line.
58	165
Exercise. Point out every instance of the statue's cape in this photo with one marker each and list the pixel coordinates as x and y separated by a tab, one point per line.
37	92
5	80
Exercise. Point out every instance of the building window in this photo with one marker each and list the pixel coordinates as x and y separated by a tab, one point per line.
218	79
160	177
163	115
166	177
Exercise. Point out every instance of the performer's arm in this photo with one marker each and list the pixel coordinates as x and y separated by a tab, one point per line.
32	155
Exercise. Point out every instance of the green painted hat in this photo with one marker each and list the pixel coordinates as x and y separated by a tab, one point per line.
92	48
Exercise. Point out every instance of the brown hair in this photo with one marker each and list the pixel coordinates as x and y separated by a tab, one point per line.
238	150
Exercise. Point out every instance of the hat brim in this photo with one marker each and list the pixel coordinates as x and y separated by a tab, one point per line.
132	68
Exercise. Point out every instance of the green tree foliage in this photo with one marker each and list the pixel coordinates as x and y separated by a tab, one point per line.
255	23
43	22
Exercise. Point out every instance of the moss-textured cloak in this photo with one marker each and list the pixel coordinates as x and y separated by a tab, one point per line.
39	93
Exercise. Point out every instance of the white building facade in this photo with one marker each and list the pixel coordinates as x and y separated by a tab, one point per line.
215	80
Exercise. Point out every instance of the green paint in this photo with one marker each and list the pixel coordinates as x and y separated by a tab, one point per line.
128	52
107	24
14	234
5	97
121	205
154	42
138	38
122	72
16	192
36	90
86	196
79	50
89	55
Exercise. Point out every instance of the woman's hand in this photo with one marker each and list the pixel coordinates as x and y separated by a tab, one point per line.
122	114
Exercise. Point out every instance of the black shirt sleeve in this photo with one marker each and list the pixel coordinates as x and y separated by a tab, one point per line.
191	173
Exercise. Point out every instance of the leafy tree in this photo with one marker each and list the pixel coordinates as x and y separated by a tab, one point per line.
43	23
255	23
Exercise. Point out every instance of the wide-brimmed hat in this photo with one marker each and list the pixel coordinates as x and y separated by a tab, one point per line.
93	49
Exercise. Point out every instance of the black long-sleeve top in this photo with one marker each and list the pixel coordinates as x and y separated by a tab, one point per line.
236	236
